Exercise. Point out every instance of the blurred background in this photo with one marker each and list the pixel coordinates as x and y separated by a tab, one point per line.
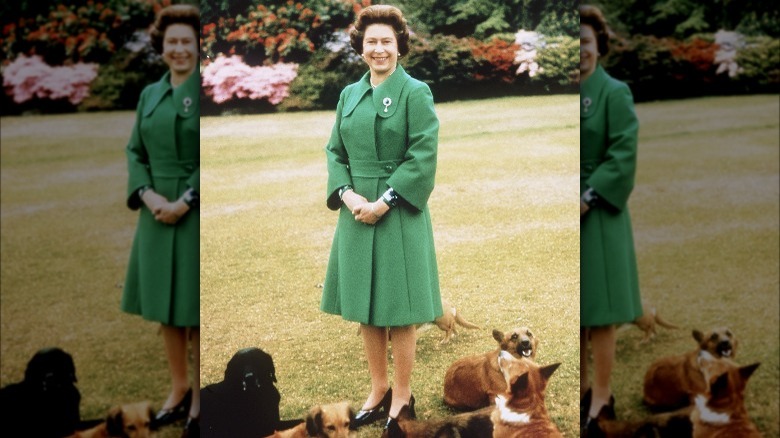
667	49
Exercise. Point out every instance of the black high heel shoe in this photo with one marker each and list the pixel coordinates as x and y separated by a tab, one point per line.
178	412
368	416
590	428
392	428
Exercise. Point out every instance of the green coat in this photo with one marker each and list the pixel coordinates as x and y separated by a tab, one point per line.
163	275
609	285
386	274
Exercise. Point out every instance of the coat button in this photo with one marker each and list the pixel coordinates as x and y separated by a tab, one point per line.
388	167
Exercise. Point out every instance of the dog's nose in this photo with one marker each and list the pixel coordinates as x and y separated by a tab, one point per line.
526	343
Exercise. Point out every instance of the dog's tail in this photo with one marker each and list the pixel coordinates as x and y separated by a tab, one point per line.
663	323
462	322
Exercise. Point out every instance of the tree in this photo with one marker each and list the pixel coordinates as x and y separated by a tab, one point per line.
485	18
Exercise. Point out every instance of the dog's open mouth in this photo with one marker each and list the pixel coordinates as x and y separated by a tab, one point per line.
725	349
525	351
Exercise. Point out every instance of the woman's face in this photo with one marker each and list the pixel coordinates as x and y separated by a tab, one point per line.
380	48
589	50
180	48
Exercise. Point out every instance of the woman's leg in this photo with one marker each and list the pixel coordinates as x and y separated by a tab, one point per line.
375	344
175	339
602	341
584	385
404	347
195	342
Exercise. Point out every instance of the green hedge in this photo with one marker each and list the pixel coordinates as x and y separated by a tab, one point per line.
666	68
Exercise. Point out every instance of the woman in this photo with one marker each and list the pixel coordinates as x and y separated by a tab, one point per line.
609	286
163	155
381	159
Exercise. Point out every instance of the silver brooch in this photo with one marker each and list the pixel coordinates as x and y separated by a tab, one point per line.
187	102
586	103
387	102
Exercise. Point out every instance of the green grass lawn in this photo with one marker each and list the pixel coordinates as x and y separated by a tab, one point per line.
705	213
505	225
706	224
66	236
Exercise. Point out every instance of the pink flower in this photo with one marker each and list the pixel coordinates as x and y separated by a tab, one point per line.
29	77
229	77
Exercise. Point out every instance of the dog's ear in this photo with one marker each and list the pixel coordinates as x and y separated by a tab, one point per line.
699	336
314	421
746	371
404	414
720	387
498	336
548	370
520	383
115	422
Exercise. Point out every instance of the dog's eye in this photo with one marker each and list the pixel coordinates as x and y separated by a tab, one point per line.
131	427
331	427
728	333
714	337
514	336
530	335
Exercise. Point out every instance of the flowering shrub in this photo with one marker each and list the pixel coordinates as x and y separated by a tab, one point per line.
90	32
695	58
229	77
442	61
760	63
496	59
728	44
559	62
271	32
29	77
320	81
528	42
664	68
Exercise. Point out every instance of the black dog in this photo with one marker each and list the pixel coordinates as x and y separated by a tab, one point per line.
46	403
246	403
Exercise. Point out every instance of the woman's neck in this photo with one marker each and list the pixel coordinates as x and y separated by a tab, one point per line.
376	79
179	78
588	74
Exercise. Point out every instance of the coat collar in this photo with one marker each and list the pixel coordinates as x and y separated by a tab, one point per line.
186	97
386	96
590	91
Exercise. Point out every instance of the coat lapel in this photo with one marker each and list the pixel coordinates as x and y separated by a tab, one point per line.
186	97
156	94
590	92
356	94
388	94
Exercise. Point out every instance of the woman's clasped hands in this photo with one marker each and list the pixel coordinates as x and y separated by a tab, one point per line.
366	212
163	210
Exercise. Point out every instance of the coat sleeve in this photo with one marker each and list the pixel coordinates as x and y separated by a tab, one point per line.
338	160
194	180
139	172
613	179
413	180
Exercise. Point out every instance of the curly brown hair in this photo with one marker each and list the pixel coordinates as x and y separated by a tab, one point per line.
174	14
380	14
593	17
